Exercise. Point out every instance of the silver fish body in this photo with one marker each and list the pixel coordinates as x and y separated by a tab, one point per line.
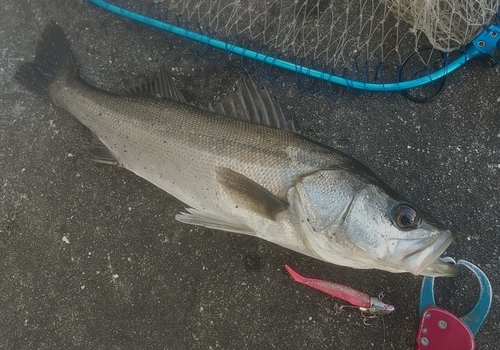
249	178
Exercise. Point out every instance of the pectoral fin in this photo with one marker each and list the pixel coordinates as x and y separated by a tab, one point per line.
214	221
249	194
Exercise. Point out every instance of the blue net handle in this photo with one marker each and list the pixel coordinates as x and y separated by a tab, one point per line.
471	51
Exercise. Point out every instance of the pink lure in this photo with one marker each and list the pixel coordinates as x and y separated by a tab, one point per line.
351	295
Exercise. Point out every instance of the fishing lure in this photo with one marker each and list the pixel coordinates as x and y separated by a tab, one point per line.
369	306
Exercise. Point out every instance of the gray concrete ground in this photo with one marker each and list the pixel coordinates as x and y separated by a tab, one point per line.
91	256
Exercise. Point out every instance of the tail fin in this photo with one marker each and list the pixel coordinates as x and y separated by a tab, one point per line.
53	55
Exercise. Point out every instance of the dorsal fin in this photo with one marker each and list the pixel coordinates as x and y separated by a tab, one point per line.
249	103
246	102
162	86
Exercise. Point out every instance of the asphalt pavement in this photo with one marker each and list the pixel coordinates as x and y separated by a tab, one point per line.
91	256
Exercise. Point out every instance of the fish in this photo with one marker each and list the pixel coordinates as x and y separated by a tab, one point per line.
240	166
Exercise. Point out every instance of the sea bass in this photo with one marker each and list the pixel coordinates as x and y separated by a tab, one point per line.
250	174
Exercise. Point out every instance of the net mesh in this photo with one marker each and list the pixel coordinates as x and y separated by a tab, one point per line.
347	37
447	24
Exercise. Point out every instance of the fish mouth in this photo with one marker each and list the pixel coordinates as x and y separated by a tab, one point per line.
427	257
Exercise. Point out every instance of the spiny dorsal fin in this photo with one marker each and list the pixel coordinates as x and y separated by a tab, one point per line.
100	153
250	194
214	221
249	103
162	86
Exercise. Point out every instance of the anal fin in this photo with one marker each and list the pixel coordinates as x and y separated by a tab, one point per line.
100	153
213	221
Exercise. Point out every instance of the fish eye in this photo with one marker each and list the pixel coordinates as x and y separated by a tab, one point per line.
405	216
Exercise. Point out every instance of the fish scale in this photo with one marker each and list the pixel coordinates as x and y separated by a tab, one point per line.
243	177
174	136
175	146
